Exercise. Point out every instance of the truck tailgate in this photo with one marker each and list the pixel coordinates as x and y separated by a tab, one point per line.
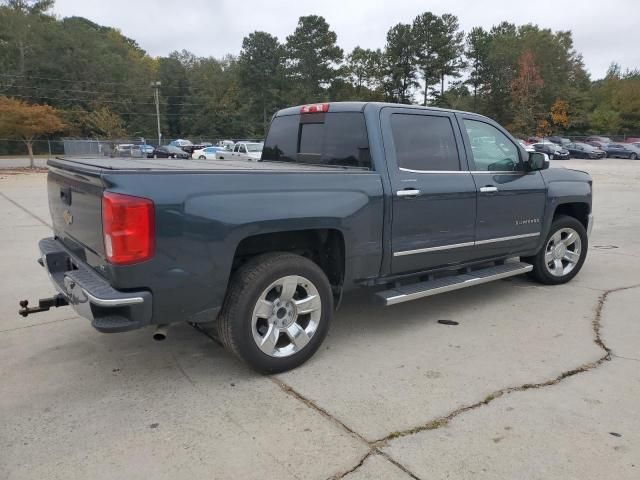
75	203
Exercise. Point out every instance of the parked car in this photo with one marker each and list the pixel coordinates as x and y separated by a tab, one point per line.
146	149
168	151
126	150
559	140
632	140
206	153
243	151
584	150
622	150
181	143
597	144
554	151
599	139
528	147
534	140
335	212
193	147
226	144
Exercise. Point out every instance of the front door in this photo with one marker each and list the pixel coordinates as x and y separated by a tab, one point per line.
511	201
434	195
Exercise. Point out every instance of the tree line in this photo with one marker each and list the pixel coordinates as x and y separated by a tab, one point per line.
530	79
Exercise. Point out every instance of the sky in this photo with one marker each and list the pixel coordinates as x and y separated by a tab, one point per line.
603	32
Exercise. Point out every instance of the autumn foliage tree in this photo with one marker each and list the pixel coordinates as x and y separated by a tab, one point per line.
26	122
560	114
525	89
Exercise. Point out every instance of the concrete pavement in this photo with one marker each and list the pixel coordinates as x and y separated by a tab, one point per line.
523	387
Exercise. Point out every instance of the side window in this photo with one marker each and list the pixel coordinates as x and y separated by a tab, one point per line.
236	147
424	143
491	149
243	149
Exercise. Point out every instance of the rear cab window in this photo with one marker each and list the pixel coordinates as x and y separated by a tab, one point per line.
334	139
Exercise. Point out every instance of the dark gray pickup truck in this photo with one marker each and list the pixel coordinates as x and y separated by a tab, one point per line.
406	200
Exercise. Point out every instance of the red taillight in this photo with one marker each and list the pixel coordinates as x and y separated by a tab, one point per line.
315	108
128	226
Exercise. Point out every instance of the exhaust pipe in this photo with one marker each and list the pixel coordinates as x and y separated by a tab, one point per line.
160	333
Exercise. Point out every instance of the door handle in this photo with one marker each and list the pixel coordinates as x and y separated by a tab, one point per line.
488	189
408	192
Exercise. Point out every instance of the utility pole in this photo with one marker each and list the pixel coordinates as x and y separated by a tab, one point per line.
156	95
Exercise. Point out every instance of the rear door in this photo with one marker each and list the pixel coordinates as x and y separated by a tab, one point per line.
434	195
511	201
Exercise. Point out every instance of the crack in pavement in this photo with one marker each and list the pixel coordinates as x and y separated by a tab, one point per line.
24	209
375	446
33	325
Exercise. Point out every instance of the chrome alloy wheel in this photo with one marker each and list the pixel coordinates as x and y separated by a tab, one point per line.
286	316
562	252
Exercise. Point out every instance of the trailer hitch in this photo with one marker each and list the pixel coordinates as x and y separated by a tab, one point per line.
44	304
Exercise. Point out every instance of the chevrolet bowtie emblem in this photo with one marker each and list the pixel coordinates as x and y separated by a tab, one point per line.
68	218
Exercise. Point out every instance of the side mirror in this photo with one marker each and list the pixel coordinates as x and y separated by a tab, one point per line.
538	161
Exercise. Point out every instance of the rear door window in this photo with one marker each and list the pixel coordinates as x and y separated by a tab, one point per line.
332	139
424	143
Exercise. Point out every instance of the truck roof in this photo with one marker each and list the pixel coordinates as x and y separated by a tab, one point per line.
360	107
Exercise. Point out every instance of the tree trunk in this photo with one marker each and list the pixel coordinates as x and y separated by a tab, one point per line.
426	91
29	145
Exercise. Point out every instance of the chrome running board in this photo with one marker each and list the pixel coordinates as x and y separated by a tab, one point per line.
413	291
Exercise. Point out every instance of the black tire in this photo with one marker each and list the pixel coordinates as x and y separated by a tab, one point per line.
540	271
202	157
633	156
551	156
234	323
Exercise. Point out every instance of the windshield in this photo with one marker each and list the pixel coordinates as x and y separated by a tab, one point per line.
254	147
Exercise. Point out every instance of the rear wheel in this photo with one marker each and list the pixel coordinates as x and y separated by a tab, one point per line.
202	157
563	253
551	156
633	156
277	312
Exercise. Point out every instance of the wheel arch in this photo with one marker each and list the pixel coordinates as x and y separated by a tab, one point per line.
325	247
578	210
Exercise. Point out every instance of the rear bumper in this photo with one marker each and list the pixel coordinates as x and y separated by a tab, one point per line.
91	295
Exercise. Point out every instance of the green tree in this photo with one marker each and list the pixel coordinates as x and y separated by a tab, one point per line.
426	36
400	65
259	66
477	52
450	48
312	57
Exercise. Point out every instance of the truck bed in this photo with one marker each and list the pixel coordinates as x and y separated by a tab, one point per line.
164	164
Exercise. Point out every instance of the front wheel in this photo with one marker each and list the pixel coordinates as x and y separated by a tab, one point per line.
551	156
202	157
563	253
277	312
633	156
